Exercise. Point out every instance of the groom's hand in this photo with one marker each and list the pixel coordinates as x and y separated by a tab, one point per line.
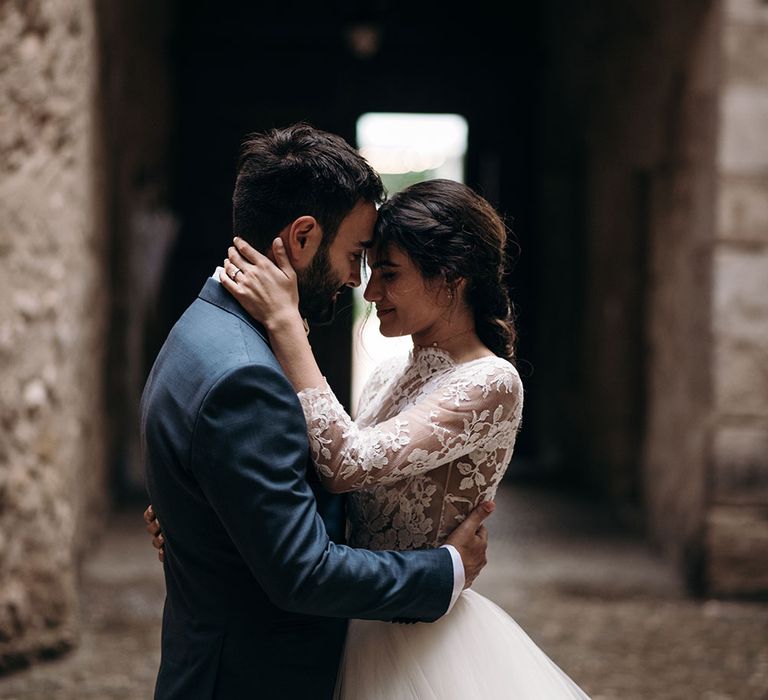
471	541
153	528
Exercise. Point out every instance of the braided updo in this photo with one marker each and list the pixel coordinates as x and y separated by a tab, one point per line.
452	233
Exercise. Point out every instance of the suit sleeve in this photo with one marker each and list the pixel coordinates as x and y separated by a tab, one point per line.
249	454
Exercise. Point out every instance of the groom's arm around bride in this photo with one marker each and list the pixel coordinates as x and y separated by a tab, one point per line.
257	594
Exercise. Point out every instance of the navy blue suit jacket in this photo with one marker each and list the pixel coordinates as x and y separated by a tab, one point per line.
258	591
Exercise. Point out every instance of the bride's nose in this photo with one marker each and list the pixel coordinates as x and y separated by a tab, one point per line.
372	290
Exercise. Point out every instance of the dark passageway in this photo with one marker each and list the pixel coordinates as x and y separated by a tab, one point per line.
592	128
254	67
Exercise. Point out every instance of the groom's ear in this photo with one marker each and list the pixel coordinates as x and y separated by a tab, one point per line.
302	238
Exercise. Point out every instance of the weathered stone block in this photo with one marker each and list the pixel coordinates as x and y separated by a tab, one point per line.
747	11
743	147
741	378
740	460
740	328
743	209
746	55
741	296
737	546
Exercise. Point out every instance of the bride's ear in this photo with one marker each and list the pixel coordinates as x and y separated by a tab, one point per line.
453	290
302	239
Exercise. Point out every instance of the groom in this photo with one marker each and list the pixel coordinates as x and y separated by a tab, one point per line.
258	588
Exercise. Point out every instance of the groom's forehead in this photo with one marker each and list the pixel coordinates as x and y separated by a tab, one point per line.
362	240
356	230
360	236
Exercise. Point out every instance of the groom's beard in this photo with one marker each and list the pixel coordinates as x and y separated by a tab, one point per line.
318	289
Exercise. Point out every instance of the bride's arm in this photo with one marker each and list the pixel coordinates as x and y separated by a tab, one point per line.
461	416
269	292
458	418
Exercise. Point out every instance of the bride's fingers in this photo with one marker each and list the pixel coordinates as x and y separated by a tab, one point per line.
230	269
247	251
226	279
281	258
236	259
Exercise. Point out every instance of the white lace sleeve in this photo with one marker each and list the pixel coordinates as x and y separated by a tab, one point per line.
471	410
374	383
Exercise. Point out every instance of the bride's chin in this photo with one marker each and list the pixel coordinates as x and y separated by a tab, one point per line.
388	332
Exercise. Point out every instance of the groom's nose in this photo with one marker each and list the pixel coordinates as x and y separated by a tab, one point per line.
354	277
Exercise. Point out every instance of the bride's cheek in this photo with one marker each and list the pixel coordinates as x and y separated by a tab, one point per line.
407	293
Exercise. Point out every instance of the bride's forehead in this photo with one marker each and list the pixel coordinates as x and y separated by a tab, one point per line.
373	254
378	253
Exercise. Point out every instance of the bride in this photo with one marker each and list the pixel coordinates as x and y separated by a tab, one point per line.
433	436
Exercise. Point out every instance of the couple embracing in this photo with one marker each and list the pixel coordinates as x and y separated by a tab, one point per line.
248	451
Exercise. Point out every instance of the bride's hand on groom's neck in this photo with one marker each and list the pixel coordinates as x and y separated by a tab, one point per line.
267	290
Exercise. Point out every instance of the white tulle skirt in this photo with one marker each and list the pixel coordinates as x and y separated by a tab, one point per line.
476	651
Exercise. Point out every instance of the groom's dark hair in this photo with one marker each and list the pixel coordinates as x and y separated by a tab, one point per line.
296	171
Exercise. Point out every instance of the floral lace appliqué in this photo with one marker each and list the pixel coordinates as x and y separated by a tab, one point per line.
432	439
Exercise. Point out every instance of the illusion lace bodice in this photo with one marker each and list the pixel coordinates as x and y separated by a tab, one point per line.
432	439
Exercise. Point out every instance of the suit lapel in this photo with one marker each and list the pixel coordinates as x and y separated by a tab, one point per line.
331	507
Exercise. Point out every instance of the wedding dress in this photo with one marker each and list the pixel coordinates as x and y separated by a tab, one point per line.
432	439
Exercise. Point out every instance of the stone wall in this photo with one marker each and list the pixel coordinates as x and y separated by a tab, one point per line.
52	321
649	186
679	301
737	523
628	131
654	186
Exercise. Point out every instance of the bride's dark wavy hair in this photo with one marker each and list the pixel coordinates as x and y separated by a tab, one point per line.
452	233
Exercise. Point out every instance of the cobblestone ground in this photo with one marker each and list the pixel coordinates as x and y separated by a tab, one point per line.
594	598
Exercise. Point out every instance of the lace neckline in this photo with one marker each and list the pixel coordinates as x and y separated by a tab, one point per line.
426	351
436	357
